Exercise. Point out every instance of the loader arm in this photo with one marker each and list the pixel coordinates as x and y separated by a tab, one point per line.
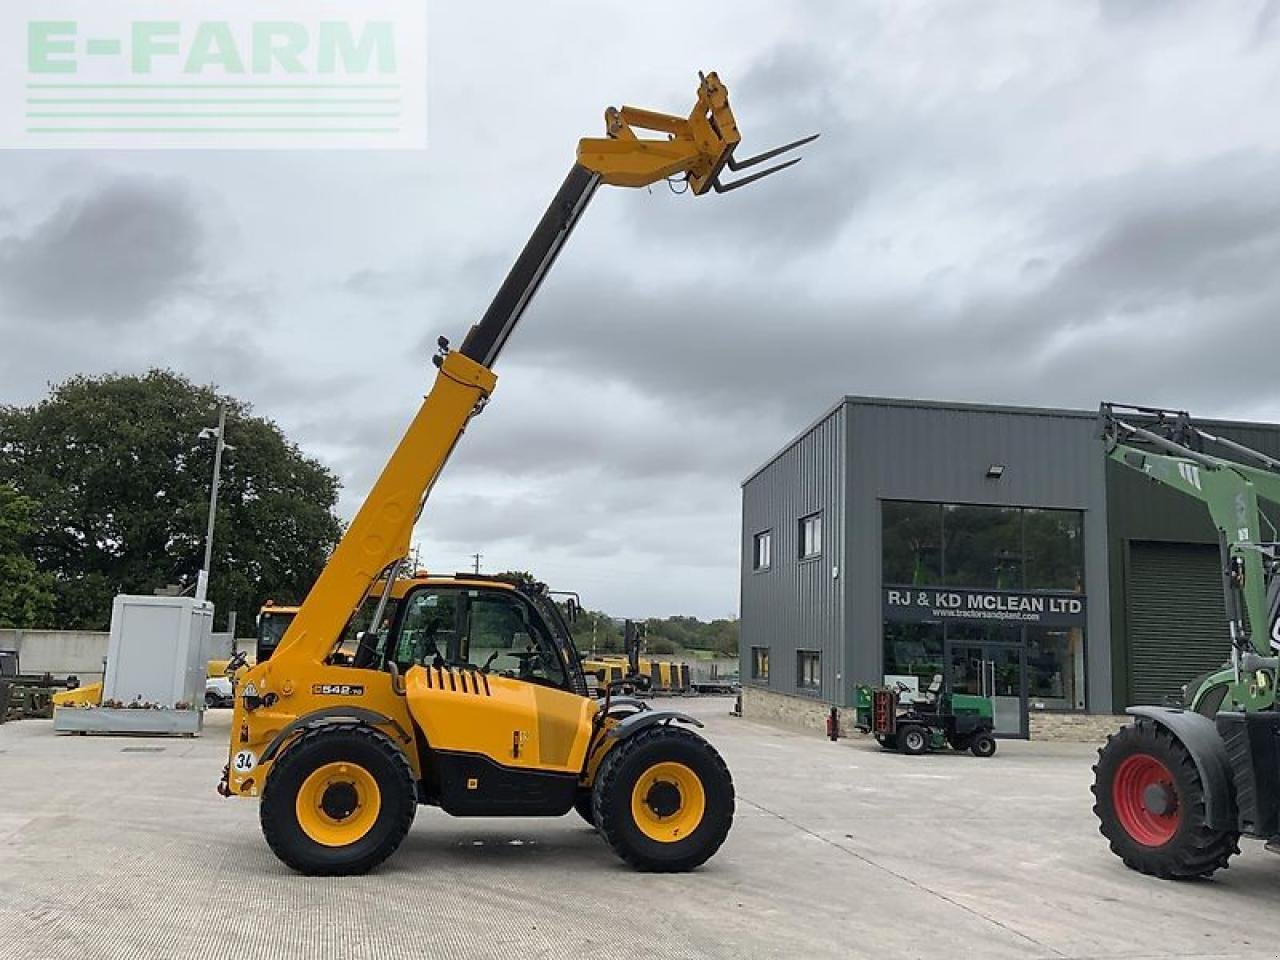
696	147
1230	491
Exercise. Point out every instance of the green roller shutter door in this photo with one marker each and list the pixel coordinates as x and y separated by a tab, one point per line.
1176	620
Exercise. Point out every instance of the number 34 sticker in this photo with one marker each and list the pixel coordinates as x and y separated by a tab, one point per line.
244	761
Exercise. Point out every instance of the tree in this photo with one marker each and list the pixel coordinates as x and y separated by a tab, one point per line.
26	593
690	633
120	481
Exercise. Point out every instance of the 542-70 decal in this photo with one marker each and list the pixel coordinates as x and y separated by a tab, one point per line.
338	689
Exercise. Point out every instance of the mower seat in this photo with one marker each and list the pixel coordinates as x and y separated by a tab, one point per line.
932	696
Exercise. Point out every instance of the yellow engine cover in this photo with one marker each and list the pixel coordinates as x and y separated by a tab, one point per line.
512	722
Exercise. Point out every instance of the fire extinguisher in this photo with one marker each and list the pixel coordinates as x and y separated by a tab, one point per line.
833	724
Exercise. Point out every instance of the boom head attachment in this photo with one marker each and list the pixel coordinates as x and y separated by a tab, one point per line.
698	147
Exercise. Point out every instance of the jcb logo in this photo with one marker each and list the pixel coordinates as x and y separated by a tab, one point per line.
338	690
1190	473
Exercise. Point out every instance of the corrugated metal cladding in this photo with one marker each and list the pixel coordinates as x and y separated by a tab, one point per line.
795	604
941	453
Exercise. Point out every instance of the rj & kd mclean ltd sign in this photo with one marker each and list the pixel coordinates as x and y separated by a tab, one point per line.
1004	606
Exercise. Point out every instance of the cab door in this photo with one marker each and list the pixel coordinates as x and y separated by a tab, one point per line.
503	692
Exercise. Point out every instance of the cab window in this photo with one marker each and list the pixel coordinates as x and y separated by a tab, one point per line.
429	629
504	635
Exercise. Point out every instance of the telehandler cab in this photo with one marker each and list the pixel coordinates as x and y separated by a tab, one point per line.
493	718
1175	790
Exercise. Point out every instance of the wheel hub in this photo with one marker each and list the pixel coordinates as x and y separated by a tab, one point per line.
339	801
663	798
1159	799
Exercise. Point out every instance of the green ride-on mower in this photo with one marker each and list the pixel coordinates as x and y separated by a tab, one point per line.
960	721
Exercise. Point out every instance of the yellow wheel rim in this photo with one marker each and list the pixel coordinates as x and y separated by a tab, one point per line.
338	804
667	802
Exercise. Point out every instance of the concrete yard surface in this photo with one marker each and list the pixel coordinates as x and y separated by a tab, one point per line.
120	848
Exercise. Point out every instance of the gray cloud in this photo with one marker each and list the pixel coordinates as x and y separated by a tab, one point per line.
114	252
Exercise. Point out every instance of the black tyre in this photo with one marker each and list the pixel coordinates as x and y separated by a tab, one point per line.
338	801
211	699
888	741
983	745
1150	804
663	799
913	739
583	805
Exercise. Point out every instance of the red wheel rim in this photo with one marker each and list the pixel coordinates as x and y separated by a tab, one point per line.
1140	779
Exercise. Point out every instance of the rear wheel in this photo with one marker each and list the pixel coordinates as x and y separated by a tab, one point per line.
1150	804
338	801
983	745
663	799
913	739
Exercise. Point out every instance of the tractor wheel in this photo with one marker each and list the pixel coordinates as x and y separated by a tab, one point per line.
888	741
983	745
663	799
913	740
1150	801
584	807
338	801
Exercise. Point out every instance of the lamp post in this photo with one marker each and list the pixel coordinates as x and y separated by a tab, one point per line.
219	432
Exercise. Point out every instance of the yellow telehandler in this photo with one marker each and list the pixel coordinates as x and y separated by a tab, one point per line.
476	701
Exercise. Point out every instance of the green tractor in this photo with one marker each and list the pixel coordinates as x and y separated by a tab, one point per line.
960	721
1176	789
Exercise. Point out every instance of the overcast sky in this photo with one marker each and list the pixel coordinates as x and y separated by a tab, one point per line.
1040	203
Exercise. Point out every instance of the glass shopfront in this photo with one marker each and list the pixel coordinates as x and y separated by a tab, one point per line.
990	598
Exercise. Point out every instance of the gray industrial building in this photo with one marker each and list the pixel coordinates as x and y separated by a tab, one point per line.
996	546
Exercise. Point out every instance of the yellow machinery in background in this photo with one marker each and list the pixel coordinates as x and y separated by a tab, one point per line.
663	676
477	702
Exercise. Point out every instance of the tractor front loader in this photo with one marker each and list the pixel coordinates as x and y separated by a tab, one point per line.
1175	790
473	698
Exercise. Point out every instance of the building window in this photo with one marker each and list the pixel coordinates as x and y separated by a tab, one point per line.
810	536
762	551
1055	668
912	543
1053	543
913	650
759	663
808	669
981	547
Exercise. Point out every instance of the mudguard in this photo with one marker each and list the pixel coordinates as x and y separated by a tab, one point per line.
317	718
1200	736
631	725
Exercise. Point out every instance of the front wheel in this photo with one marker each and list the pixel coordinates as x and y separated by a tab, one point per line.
338	801
663	799
1150	804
